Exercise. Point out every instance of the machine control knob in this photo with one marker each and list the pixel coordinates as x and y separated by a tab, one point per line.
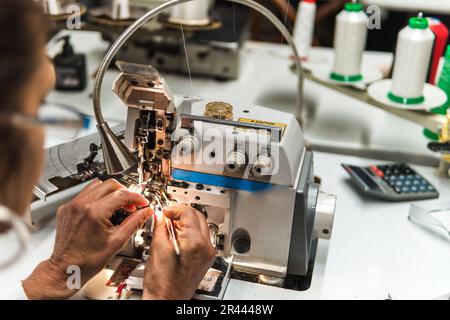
219	110
188	145
241	246
323	224
263	166
236	161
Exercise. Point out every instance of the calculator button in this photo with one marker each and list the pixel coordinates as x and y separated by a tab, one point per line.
399	183
423	188
407	171
377	171
406	189
401	177
398	189
408	183
416	182
430	188
414	189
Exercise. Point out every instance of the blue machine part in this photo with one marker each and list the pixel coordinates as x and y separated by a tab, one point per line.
219	181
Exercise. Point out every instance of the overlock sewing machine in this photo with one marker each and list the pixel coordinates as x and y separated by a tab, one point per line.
245	167
253	179
209	35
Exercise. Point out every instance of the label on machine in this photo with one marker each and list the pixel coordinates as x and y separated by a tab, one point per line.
283	126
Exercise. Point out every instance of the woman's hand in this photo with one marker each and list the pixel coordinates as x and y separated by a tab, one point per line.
85	237
168	276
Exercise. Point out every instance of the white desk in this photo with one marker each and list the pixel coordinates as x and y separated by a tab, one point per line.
266	80
374	249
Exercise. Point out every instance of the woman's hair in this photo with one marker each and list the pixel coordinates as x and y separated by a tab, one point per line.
23	31
23	27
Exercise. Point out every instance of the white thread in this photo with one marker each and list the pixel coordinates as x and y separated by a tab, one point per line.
412	58
349	42
186	53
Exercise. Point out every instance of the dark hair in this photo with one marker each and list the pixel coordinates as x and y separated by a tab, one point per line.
22	28
23	31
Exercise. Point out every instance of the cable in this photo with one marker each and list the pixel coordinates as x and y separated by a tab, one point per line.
166	5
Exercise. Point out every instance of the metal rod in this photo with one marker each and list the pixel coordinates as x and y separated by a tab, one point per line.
166	5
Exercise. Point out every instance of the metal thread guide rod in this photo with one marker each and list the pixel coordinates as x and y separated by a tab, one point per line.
117	157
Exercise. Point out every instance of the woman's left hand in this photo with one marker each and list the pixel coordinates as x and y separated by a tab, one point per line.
86	240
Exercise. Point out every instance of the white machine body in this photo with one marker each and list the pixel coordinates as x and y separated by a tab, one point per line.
247	169
259	221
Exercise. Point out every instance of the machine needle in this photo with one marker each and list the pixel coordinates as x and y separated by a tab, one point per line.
171	230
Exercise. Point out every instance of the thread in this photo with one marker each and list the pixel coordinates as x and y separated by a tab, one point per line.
186	54
444	84
121	10
304	27
192	13
349	43
412	57
52	7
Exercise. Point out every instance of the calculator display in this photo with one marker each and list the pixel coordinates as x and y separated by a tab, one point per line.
364	176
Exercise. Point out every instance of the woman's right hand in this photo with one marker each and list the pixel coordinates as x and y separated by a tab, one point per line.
168	276
86	238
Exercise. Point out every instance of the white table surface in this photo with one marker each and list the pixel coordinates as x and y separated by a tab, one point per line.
374	249
265	79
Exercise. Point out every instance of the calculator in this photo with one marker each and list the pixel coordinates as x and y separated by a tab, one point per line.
392	182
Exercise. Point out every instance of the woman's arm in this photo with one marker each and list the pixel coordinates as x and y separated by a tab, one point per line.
86	239
48	281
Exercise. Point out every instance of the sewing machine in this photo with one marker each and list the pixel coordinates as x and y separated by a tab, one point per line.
246	168
201	38
213	48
